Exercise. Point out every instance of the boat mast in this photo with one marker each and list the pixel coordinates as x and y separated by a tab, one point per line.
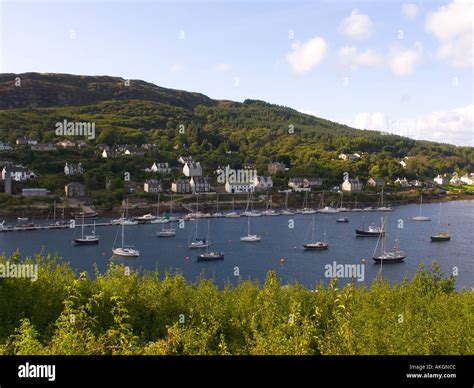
82	225
312	230
382	232
421	202
123	229
286	201
248	226
54	211
196	215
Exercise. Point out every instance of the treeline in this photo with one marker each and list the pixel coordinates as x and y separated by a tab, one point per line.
124	312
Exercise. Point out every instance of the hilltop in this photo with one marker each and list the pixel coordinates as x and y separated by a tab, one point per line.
215	132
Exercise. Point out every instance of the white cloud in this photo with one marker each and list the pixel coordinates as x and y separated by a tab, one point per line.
375	121
452	25
177	68
357	25
311	112
409	11
351	58
402	61
305	56
455	126
221	67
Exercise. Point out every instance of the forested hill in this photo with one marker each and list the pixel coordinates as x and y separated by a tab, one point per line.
215	131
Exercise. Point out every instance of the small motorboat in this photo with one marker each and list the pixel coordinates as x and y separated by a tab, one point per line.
199	243
390	257
232	215
251	238
372	231
210	256
145	218
316	245
342	220
444	236
86	240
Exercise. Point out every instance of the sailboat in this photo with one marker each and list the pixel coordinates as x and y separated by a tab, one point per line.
90	239
383	208
442	235
305	209
327	209
233	213
251	213
371	231
124	220
199	242
123	250
250	237
167	232
420	217
355	208
286	211
342	208
268	211
395	256
316	245
217	214
210	255
157	219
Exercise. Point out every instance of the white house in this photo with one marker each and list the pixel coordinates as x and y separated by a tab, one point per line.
403	182
191	169
235	188
468	179
152	186
199	184
73	169
160	167
181	186
17	173
352	185
185	159
352	157
455	180
66	144
263	182
403	162
441	179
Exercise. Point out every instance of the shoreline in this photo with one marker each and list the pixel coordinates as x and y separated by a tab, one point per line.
134	210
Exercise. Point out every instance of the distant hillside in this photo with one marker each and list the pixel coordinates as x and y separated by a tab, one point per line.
45	90
216	132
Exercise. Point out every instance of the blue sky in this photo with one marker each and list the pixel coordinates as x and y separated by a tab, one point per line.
402	67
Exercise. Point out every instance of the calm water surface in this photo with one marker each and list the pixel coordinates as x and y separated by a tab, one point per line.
279	241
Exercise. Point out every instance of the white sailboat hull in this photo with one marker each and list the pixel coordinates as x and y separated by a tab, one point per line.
251	238
421	218
126	252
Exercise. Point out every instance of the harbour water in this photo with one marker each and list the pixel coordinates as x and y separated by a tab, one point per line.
280	249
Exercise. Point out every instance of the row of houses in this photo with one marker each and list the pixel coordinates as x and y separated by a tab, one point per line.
466	179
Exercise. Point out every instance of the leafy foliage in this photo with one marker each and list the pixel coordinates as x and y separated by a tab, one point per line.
123	312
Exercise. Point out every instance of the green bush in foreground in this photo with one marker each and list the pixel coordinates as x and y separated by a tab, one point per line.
120	313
